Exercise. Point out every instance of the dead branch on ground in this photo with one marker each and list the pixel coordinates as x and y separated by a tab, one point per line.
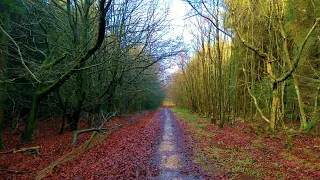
35	149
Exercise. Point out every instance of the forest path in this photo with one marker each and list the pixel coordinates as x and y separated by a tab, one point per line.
171	154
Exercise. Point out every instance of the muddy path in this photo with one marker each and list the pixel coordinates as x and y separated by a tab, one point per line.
173	154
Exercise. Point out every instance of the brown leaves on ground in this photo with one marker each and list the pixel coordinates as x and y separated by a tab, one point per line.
27	164
236	152
129	153
124	153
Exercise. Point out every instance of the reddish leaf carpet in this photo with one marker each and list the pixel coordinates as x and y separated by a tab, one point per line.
125	150
125	154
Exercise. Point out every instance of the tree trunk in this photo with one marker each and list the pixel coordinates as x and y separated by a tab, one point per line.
63	106
274	107
3	68
220	90
31	121
75	119
28	130
315	110
110	101
80	94
303	120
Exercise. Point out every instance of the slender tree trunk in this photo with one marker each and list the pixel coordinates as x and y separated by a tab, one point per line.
282	114
233	89
315	110
31	121
81	76
3	68
64	109
110	99
303	118
220	90
315	120
211	67
274	107
203	95
63	105
245	91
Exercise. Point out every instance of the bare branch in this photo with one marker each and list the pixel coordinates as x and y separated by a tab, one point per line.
21	57
298	56
255	99
208	18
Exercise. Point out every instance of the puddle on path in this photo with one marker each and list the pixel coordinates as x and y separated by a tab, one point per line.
170	154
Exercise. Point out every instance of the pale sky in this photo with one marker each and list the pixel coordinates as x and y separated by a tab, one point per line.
178	12
180	25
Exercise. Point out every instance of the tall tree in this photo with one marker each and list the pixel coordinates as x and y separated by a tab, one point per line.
4	40
269	58
263	52
80	61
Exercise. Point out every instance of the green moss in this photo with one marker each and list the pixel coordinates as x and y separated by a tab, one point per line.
202	125
184	113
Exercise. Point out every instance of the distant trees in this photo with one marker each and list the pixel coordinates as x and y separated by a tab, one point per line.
73	56
251	59
208	65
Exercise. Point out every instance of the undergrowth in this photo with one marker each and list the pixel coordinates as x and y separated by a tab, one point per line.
237	152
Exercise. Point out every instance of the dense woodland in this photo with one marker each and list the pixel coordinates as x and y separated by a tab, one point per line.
80	58
256	61
244	102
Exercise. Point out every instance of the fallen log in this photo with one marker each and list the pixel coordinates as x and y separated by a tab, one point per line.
35	149
76	133
95	133
14	171
95	130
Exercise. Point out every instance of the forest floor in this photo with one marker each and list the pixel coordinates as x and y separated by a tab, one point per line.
161	145
236	152
120	154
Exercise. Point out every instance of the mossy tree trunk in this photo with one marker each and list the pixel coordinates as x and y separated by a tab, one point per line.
31	121
80	97
63	106
29	128
276	80
274	107
81	78
303	118
3	67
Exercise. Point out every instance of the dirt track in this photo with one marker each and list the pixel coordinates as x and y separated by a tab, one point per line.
172	157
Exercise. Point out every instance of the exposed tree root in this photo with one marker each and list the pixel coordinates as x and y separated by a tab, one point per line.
30	149
14	171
